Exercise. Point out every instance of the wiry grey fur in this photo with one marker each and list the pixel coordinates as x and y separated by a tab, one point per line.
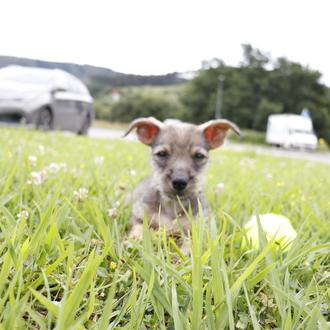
187	155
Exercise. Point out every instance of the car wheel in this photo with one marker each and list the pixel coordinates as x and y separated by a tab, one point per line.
85	126
45	120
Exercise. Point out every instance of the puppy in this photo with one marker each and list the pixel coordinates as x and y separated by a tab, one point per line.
180	154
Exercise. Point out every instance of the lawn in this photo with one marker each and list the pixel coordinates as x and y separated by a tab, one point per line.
66	263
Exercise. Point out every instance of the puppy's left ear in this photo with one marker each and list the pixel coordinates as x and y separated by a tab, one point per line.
215	131
146	128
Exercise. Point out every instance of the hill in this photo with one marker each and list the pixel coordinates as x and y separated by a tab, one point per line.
96	78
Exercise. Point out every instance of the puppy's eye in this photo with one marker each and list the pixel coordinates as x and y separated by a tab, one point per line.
162	154
199	156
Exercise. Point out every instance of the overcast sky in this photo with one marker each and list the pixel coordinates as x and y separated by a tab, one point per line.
156	37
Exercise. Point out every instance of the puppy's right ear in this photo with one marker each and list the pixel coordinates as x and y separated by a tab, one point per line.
146	128
215	131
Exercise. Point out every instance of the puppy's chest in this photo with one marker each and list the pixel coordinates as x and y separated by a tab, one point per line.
172	209
171	215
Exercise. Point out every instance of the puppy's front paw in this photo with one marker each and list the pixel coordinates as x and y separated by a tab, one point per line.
136	232
186	247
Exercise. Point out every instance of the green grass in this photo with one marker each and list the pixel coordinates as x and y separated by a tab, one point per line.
249	136
66	264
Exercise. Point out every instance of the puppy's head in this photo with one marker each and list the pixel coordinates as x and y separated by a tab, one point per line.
180	152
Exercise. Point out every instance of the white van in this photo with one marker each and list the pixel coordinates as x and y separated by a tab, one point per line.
291	131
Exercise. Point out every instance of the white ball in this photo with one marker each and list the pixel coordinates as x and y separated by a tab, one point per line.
275	226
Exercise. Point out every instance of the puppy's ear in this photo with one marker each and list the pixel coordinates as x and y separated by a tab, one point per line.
215	131
146	128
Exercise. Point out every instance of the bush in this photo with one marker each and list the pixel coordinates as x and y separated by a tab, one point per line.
133	106
249	136
102	108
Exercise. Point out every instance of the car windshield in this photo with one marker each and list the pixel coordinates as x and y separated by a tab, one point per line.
26	77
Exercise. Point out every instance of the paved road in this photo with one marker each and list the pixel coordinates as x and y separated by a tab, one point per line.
103	133
279	152
106	133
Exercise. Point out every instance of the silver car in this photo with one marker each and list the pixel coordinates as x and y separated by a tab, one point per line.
47	99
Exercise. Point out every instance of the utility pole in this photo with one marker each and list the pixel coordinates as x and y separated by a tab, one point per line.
218	106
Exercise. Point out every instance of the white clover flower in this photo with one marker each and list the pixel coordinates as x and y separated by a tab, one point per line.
269	176
99	160
63	166
53	168
38	178
41	149
81	194
22	215
33	160
56	167
248	162
113	213
132	172
219	187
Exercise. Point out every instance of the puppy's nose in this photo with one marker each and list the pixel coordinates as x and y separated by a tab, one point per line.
179	184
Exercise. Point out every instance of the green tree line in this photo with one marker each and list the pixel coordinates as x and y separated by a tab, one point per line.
257	88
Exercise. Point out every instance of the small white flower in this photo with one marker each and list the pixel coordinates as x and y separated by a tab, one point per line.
113	213
132	172
247	162
81	194
41	149
22	215
63	166
269	176
33	160
38	178
53	168
219	187
99	160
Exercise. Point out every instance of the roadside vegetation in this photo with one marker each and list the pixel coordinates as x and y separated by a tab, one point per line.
133	102
65	261
259	87
248	136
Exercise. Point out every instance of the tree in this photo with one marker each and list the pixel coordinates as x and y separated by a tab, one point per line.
253	57
136	105
265	108
257	89
295	86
